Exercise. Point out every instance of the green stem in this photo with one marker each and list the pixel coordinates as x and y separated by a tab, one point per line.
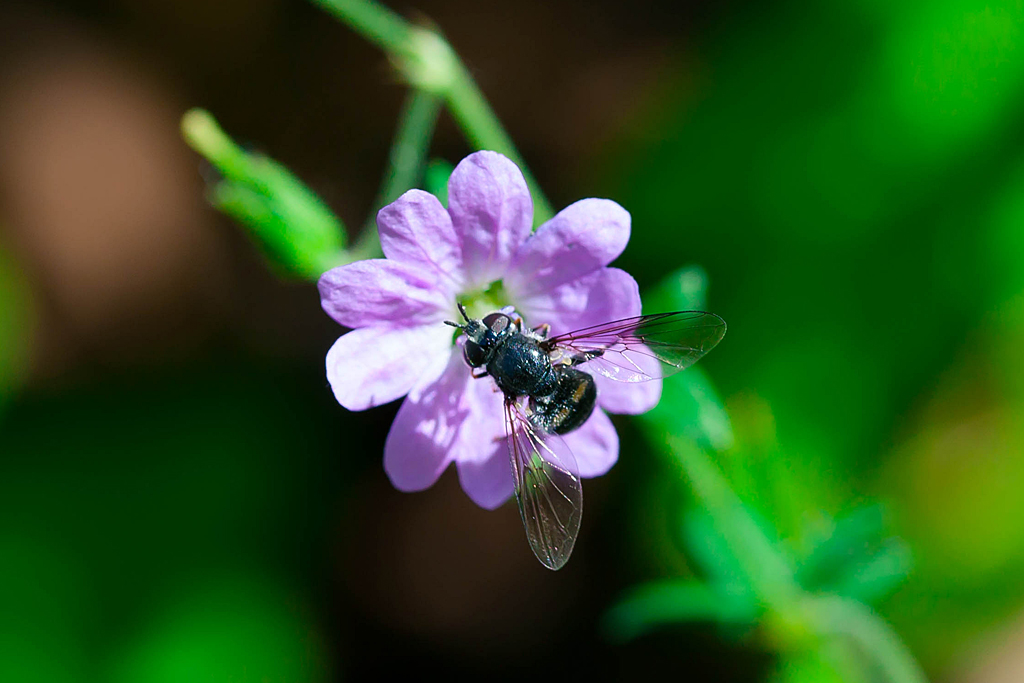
774	581
768	572
405	164
481	126
428	62
296	229
374	22
203	134
842	617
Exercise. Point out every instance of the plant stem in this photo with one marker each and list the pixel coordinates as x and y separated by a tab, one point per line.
840	616
768	573
405	164
374	22
428	62
204	135
295	228
481	126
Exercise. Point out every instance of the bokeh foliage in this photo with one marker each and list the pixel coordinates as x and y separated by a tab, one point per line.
144	525
850	178
848	174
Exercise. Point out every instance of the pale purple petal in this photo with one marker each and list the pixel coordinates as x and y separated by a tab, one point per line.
419	445
380	292
481	452
372	366
630	398
606	295
492	214
486	423
583	237
595	445
488	481
417	230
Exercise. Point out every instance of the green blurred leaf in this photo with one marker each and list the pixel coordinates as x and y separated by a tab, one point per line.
1004	246
46	611
953	66
877	576
691	401
682	290
117	496
690	397
712	553
849	539
240	630
295	228
651	605
814	665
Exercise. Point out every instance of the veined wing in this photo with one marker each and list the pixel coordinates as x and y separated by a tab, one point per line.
642	348
548	488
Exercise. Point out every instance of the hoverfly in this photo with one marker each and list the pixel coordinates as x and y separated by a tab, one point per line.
549	391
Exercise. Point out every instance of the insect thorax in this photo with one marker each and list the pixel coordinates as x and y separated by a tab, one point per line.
521	368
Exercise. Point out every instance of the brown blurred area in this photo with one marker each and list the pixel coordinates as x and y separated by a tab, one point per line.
99	201
102	208
102	204
129	270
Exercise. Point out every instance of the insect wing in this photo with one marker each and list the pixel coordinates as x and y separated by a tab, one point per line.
642	348
547	485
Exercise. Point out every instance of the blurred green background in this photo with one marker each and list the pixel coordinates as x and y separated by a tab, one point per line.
181	499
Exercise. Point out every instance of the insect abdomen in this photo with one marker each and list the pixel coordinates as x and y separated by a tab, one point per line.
569	406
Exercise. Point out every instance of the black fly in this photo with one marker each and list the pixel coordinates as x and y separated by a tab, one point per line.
549	390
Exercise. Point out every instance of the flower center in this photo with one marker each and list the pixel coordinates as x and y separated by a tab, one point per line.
482	302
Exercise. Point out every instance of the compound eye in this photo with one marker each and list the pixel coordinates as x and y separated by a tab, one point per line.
497	322
474	354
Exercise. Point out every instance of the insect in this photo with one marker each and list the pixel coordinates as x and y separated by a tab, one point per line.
549	391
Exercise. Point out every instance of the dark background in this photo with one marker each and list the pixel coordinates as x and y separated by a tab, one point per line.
182	499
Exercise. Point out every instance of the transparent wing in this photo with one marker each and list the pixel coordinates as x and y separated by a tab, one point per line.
641	348
547	485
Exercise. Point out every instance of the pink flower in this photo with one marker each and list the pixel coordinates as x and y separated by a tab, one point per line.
481	252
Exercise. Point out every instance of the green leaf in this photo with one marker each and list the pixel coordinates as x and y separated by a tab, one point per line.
711	552
854	559
682	290
240	629
295	228
691	406
879	575
651	605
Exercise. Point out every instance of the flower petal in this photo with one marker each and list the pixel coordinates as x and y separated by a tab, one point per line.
595	445
492	214
372	366
481	452
629	398
488	481
419	445
583	237
380	292
417	230
607	295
